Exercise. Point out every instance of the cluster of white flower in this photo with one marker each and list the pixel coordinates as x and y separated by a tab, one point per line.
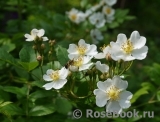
96	17
126	49
112	91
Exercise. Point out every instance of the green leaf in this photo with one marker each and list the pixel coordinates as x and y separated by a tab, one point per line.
14	90
56	65
148	86
63	105
29	66
113	25
62	55
83	3
139	93
37	83
27	54
158	95
37	74
42	110
40	94
121	13
12	109
154	73
5	56
22	73
2	104
130	17
7	45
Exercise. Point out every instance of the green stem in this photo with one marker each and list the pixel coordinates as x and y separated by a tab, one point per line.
27	101
149	102
126	68
73	94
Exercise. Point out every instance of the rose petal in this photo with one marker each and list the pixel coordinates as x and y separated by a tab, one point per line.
101	97
119	83
113	106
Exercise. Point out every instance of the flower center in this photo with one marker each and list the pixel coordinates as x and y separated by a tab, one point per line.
73	17
103	47
78	62
113	93
127	47
55	75
81	50
108	10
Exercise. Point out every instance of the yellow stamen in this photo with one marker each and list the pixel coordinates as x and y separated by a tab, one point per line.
113	93
55	75
73	17
127	47
108	10
81	50
103	47
78	62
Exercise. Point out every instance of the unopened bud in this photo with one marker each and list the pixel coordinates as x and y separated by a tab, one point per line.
50	52
39	58
102	76
52	42
42	46
34	47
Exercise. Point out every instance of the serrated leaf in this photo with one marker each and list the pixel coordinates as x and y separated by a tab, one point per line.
63	105
29	65
42	110
62	55
27	54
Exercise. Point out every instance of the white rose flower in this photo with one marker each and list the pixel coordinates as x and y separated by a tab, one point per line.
112	93
102	67
110	2
97	19
82	49
57	77
80	63
129	49
34	34
106	52
76	16
96	35
108	11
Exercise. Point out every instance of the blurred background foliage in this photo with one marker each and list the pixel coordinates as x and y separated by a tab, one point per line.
18	17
